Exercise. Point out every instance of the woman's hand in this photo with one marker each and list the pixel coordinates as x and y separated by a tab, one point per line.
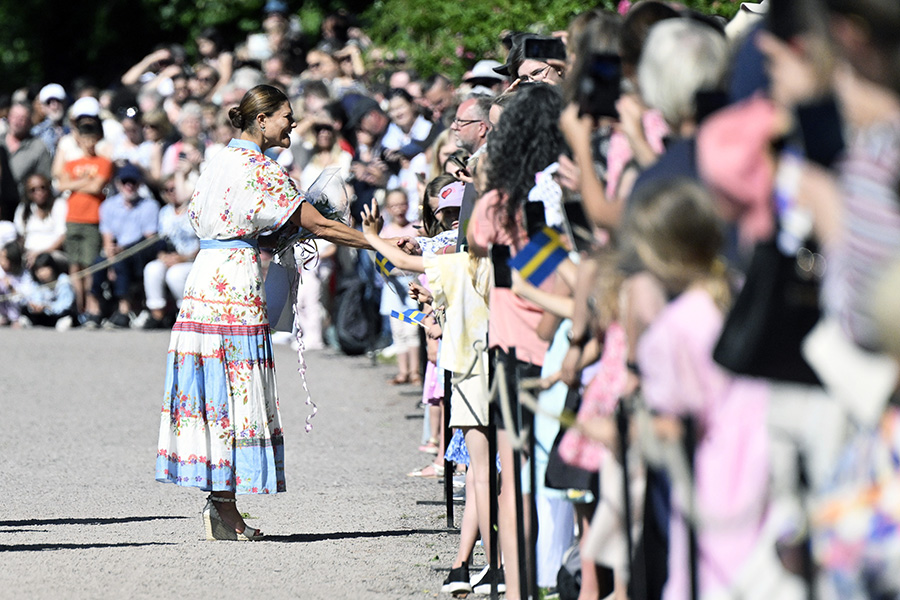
631	113
410	246
600	429
519	284
570	372
568	175
631	123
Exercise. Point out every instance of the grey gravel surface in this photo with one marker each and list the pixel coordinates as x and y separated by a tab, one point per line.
82	516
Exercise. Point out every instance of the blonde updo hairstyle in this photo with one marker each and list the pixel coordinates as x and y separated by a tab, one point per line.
263	99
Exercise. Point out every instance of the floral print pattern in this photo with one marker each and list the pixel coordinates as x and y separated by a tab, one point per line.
220	427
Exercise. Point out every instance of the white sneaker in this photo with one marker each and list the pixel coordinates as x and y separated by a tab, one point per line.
64	323
139	321
388	352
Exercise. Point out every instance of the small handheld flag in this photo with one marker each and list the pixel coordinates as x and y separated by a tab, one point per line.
384	265
540	257
409	315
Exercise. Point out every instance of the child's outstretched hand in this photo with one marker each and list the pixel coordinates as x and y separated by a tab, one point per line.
371	223
418	293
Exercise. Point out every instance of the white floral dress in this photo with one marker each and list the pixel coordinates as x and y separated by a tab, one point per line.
220	428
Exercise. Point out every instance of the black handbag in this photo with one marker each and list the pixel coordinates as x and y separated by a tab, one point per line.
774	311
560	475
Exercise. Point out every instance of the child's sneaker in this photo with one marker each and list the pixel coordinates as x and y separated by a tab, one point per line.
457	581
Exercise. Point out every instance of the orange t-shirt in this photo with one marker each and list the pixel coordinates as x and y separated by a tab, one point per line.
84	207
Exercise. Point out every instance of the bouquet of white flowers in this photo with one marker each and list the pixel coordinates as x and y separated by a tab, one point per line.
328	195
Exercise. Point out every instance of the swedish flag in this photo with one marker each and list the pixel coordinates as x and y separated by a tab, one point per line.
540	257
384	265
409	315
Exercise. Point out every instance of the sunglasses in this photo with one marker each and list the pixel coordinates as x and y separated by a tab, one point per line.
129	181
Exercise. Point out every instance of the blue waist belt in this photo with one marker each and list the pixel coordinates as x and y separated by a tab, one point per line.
227	244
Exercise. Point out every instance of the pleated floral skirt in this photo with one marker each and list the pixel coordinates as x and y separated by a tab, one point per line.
220	428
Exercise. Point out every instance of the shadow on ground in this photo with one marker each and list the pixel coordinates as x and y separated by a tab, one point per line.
82	521
43	547
345	535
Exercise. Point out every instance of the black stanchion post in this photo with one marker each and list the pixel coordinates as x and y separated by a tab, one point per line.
690	446
532	504
514	429
448	466
494	557
807	565
622	426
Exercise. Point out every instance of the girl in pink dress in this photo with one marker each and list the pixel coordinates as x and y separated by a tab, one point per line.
676	234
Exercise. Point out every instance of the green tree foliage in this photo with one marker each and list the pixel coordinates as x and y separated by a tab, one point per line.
449	37
59	40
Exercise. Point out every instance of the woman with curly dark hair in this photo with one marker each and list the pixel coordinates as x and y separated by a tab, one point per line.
525	141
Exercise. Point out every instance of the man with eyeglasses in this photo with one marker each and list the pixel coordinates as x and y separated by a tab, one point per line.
470	130
471	125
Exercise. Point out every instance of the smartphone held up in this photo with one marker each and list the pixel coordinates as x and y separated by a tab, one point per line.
600	86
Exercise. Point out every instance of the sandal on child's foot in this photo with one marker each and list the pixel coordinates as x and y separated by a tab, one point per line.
430	447
432	471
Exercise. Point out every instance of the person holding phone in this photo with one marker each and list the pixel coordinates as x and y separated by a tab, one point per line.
544	61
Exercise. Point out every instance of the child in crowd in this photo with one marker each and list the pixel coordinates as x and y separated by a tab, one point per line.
676	233
394	295
439	235
13	278
50	299
85	177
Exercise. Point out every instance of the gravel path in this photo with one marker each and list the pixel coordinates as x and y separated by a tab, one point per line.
84	518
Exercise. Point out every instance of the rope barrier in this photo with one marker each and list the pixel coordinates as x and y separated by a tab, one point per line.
664	454
104	264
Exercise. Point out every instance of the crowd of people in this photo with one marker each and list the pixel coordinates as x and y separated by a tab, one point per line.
708	371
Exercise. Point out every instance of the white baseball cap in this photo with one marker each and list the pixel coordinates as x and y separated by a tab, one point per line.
51	91
86	107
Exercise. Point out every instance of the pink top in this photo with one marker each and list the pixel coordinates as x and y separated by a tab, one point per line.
598	400
655	129
679	377
513	321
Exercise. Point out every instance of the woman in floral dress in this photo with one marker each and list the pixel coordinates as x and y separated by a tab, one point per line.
220	429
